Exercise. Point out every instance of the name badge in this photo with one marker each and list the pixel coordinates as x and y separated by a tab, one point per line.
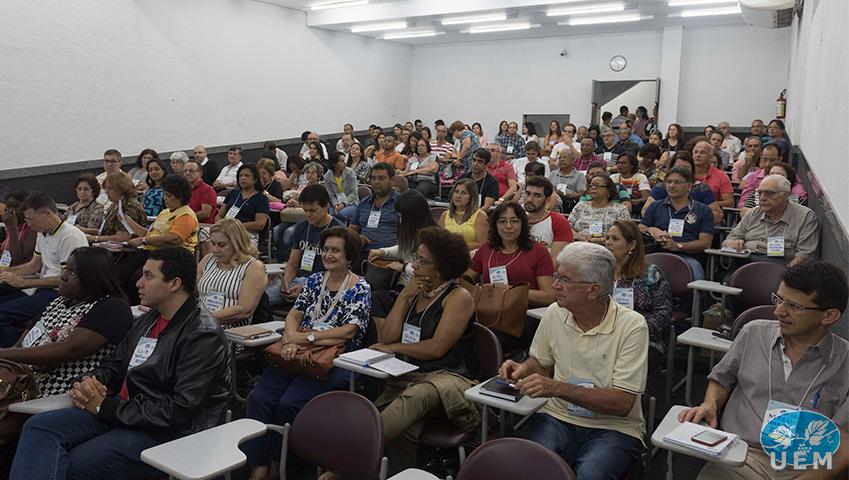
551	142
596	229
234	210
411	334
676	227
608	156
34	334
214	301
142	352
510	149
373	219
308	260
775	408
413	166
775	247
498	275
123	218
578	410
624	297
563	187
102	224
6	259
321	326
72	219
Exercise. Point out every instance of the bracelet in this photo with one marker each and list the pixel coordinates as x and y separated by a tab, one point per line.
96	238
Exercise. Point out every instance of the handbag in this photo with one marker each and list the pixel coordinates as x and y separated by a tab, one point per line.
314	361
499	307
17	384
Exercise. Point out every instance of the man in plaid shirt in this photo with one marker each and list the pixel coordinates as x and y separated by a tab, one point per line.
512	144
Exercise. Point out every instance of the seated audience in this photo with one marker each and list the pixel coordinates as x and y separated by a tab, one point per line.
680	224
210	168
647	159
797	190
246	203
359	164
487	184
204	200
228	176
711	176
85	214
422	169
78	329
519	164
724	158
699	192
511	144
548	228
271	188
332	309
22	299
466	144
673	141
805	366
442	148
511	256
769	157
317	154
749	160
111	164
609	149
588	155
139	172
310	137
778	137
296	179
593	418
529	134
640	286
152	200
502	172
341	183
554	133
120	192
777	227
430	326
178	161
376	219
168	378
19	244
231	280
567	180
591	220
388	153
628	175
623	194
464	215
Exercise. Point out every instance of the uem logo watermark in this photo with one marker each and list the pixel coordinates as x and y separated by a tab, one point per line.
800	439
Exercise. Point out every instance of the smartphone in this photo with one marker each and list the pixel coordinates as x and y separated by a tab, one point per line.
708	438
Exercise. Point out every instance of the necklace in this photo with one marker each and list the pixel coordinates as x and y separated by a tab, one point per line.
436	291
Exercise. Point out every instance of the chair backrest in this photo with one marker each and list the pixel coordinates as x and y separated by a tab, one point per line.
363	191
758	280
436	212
379	278
761	312
676	270
401	184
512	458
340	432
489	351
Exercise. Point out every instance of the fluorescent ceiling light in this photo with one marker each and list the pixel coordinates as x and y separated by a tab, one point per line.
374	27
349	3
688	3
599	8
504	27
625	17
412	34
493	17
704	12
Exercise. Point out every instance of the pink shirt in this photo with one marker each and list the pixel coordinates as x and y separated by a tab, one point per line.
502	172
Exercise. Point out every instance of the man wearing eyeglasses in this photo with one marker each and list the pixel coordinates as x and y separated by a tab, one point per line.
111	164
790	364
777	228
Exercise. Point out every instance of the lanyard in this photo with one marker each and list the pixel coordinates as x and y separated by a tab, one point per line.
802	400
424	312
489	262
689	207
244	200
319	316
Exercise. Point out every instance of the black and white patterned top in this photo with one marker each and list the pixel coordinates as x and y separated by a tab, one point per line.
108	316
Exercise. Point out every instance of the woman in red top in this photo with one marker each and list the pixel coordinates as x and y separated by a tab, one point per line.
502	171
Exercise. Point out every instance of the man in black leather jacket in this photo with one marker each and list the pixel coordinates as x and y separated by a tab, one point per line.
168	378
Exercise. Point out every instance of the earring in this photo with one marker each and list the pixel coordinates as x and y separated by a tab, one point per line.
630	252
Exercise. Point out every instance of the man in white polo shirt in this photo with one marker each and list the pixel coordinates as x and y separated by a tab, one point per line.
599	352
227	176
22	299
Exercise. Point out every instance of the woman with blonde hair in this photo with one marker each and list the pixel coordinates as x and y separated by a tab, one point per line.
119	187
231	280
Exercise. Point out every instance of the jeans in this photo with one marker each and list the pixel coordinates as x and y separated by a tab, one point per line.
282	235
17	308
347	213
696	265
595	454
276	398
72	443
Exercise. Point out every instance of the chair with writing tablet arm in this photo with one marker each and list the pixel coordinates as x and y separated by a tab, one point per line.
514	458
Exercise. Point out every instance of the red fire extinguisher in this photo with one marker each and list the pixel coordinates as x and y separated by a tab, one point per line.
781	105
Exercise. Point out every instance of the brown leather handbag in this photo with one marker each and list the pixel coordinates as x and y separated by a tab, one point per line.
314	361
17	384
501	308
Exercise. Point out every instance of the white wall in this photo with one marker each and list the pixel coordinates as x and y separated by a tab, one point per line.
731	73
818	98
491	81
79	76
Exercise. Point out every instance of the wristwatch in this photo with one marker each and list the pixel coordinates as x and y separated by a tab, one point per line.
311	337
680	246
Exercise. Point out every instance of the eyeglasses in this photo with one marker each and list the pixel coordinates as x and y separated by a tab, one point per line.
561	279
767	193
676	182
503	222
420	261
67	272
111	161
793	307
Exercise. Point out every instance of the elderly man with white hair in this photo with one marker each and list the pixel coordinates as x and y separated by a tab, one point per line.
598	350
777	227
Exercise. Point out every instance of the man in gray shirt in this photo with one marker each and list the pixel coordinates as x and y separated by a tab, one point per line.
790	364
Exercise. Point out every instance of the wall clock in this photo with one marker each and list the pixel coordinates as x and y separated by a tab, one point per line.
618	63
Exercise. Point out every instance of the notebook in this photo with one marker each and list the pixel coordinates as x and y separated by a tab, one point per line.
249	332
683	434
385	362
498	388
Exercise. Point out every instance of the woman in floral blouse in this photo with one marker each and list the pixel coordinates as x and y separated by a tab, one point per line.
640	286
590	220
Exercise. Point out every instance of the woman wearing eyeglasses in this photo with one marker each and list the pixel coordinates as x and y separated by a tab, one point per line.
430	326
590	220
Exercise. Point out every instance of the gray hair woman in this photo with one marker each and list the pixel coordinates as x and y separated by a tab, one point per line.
178	160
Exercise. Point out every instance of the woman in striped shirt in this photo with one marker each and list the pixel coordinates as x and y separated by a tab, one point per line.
230	279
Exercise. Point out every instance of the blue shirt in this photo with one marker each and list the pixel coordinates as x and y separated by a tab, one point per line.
698	218
700	193
248	208
473	146
633	139
307	237
385	234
